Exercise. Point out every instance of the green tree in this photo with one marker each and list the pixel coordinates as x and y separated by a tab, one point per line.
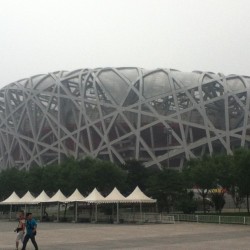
34	179
227	177
12	180
166	186
137	175
242	166
187	204
218	200
69	176
203	176
107	175
51	178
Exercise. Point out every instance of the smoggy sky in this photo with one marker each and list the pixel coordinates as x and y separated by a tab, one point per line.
41	36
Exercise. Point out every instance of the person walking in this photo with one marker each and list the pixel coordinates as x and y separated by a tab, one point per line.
31	226
20	228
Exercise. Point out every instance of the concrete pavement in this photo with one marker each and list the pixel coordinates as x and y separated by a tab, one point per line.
179	236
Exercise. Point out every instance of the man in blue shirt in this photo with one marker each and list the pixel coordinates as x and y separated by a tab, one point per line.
30	231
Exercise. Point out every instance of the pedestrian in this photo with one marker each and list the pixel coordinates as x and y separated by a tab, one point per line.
31	226
20	230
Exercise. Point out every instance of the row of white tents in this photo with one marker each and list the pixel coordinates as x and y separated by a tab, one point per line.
95	197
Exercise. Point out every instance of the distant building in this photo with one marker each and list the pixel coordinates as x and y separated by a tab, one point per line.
161	117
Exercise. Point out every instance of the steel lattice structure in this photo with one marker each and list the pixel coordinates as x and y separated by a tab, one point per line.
161	116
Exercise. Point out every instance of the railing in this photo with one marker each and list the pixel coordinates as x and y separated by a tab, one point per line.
147	218
220	219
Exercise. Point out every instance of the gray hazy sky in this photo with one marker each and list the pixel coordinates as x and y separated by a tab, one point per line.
41	36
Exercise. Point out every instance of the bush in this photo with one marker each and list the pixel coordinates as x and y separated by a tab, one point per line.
219	201
187	206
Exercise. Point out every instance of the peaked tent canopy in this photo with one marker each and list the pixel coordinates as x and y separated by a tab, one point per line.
137	196
94	197
28	198
12	199
114	197
42	197
58	197
75	197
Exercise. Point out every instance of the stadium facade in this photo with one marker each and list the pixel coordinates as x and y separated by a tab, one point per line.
161	117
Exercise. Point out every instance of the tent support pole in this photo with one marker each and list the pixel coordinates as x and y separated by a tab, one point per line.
58	211
141	211
117	215
41	211
76	204
95	212
10	210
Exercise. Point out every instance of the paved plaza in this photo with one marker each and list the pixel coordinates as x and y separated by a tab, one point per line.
179	236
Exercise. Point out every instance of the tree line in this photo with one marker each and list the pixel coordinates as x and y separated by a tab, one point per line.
211	175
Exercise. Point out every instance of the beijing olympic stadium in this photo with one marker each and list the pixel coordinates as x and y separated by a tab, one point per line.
161	117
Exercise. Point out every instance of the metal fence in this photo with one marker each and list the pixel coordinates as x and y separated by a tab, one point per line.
220	219
136	217
147	218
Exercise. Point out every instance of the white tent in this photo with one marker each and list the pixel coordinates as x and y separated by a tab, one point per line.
59	198
115	197
11	200
28	198
41	198
75	197
95	197
137	196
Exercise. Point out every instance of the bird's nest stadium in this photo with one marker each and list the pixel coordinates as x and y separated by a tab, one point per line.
161	117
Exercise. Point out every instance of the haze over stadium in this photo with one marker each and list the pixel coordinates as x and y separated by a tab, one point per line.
44	36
